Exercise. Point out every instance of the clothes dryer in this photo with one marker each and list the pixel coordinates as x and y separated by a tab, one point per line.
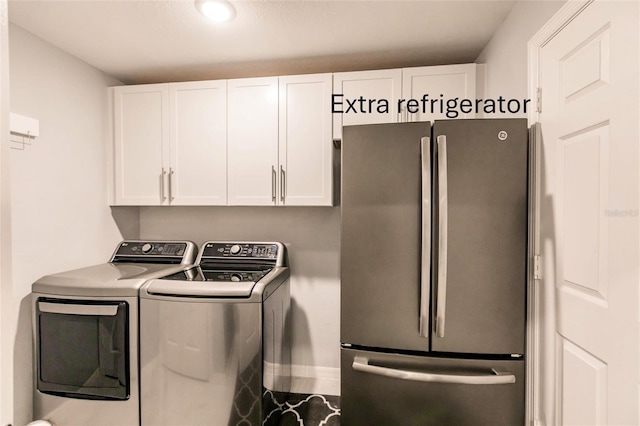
85	326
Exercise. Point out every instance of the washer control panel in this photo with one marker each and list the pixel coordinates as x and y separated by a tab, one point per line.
240	250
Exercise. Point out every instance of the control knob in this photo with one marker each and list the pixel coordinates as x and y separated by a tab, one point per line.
146	248
235	249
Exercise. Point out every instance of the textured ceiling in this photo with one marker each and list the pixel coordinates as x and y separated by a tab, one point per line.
144	41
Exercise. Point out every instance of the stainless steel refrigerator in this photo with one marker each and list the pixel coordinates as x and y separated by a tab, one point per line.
433	273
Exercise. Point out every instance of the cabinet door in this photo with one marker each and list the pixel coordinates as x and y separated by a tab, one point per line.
141	124
253	141
198	166
306	146
372	86
437	85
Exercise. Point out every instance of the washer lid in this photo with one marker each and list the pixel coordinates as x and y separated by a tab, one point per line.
222	280
164	287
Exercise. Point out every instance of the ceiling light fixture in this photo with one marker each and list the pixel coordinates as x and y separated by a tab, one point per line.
216	10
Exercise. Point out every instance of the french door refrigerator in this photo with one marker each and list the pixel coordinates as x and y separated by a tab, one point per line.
433	273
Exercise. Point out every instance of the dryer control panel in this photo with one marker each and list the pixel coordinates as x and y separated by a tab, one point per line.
155	251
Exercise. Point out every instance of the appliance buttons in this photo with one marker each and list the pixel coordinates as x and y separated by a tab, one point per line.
146	248
235	249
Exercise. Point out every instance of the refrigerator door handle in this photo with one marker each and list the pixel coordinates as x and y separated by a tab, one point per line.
441	301
425	154
495	378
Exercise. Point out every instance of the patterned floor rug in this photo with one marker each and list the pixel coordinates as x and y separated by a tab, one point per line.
309	410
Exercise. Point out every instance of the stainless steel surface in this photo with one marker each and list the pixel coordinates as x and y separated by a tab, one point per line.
425	263
283	184
443	214
71	309
81	291
170	184
380	237
273	183
252	291
162	175
486	236
102	280
372	399
64	411
493	377
463	374
213	356
534	274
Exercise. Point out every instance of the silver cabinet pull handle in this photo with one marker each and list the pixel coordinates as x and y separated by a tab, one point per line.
171	184
425	156
70	309
273	183
443	211
164	173
495	378
283	185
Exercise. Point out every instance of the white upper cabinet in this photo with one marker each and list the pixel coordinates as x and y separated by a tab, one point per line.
432	87
306	147
279	139
361	96
141	129
170	144
252	137
198	143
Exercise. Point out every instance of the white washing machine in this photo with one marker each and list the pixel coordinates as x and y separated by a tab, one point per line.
85	325
215	339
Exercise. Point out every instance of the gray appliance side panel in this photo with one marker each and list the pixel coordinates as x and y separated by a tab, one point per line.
487	237
381	238
372	399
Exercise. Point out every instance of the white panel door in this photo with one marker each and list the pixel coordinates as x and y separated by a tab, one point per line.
141	125
432	87
252	141
589	78
198	166
306	146
371	86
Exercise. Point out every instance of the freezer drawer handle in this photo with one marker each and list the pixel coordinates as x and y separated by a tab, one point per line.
441	301
497	378
70	309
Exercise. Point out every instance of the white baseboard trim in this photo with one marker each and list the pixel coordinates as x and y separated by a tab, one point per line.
311	379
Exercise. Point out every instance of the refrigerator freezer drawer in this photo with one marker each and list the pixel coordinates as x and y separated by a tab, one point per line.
391	389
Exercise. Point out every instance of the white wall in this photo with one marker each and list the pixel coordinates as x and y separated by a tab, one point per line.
60	216
6	307
505	55
506	59
312	236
